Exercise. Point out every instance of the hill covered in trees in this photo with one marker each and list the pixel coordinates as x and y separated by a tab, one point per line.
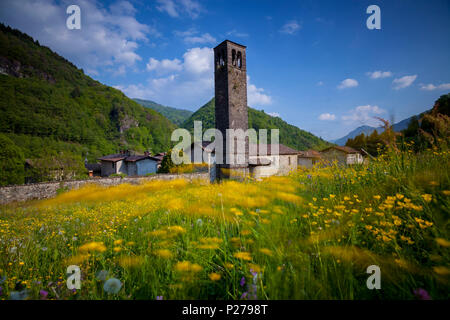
177	116
422	131
55	115
290	135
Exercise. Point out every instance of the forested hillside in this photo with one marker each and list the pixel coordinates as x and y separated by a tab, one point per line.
54	114
290	135
177	116
422	132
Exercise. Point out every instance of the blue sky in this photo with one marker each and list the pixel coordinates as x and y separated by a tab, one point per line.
314	62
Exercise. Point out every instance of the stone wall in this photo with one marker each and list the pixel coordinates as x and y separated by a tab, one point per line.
46	190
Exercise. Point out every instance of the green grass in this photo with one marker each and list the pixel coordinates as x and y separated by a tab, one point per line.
310	235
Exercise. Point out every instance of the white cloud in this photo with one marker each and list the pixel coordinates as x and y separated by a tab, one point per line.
320	83
202	39
274	114
176	8
403	82
348	83
168	6
364	114
290	27
431	87
164	66
192	36
199	61
256	96
190	86
327	117
108	37
379	74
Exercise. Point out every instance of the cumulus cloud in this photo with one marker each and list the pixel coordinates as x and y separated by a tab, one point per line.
379	74
199	61
348	83
164	66
290	27
431	87
108	37
256	96
327	117
176	8
364	114
191	85
403	82
188	81
274	114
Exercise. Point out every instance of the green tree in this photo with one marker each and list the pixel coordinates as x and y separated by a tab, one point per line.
12	170
166	163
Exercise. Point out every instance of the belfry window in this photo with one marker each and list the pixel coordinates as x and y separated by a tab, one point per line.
233	57
239	60
222	59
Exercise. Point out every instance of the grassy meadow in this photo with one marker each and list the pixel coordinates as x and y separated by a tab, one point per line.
309	235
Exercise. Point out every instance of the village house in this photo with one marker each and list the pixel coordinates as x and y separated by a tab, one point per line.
342	155
265	162
307	159
94	169
131	165
159	157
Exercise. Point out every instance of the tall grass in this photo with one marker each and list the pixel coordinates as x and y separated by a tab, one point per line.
309	235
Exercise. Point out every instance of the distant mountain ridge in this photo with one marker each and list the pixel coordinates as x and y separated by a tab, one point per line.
367	130
290	135
177	116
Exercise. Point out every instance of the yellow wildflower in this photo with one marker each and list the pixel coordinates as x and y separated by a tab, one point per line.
214	276
243	255
443	242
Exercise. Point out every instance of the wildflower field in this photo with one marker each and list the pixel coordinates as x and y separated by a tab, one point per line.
309	235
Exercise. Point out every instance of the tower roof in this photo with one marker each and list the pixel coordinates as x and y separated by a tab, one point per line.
235	43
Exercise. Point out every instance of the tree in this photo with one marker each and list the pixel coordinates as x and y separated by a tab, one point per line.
166	163
12	169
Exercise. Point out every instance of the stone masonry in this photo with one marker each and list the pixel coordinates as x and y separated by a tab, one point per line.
230	78
45	190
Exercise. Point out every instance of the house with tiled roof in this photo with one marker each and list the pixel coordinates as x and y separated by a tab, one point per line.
307	159
264	159
131	165
343	155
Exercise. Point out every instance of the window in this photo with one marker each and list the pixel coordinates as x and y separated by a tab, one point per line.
289	160
220	60
233	57
239	60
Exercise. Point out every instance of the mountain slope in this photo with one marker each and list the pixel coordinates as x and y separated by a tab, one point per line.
52	111
290	135
177	116
367	130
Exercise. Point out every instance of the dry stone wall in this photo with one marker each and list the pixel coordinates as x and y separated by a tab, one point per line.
47	190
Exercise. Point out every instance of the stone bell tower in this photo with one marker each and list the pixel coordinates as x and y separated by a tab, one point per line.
230	79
